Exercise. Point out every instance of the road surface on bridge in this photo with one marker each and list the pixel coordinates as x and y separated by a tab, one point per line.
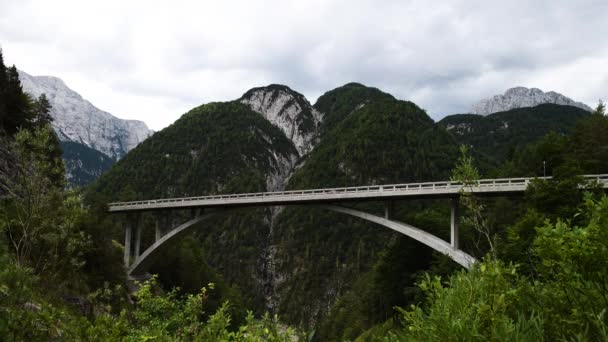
446	189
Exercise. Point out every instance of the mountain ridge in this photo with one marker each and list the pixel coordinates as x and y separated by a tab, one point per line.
520	97
78	120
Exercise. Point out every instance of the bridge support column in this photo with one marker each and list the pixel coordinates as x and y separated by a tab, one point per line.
157	232
127	256
140	222
389	208
454	218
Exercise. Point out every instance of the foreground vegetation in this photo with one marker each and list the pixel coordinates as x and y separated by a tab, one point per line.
566	298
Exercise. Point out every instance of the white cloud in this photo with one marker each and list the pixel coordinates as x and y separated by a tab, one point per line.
154	60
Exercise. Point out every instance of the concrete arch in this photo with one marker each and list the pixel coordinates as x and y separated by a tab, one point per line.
430	240
143	262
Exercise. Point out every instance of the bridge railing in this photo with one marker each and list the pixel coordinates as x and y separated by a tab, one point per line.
424	186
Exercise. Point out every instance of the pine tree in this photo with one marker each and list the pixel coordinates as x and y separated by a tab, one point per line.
3	86
42	111
17	103
600	109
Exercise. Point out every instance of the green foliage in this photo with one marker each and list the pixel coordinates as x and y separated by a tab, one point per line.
339	103
43	225
170	317
465	171
483	304
498	136
467	174
17	109
494	301
589	143
27	315
385	141
41	110
574	266
583	151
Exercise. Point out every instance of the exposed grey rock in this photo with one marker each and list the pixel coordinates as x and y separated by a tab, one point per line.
77	120
519	97
288	110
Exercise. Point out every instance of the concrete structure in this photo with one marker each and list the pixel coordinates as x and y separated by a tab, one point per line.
323	198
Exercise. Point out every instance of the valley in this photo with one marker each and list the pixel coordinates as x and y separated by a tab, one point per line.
330	276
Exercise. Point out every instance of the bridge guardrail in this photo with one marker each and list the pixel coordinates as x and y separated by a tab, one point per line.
483	183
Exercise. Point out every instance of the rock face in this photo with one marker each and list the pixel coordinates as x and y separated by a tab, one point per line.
77	120
519	97
288	110
83	164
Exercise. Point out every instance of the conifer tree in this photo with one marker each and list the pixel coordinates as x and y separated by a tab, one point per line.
3	86
17	104
42	111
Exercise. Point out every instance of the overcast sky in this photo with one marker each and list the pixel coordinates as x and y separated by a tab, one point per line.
154	60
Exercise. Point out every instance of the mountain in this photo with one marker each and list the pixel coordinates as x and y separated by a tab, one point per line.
499	134
520	97
205	151
78	121
301	262
288	110
319	254
253	144
214	148
341	102
83	164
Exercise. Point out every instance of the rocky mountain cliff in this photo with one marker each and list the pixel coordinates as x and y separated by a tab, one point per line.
77	120
520	97
288	110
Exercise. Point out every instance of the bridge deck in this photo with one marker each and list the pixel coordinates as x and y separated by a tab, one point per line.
485	187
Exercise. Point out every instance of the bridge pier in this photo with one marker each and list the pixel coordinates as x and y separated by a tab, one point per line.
139	222
157	231
389	208
127	256
454	220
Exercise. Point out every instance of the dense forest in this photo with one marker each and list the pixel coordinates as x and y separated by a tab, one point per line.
301	273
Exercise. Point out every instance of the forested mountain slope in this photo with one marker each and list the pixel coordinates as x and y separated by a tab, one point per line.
340	102
498	135
214	148
320	254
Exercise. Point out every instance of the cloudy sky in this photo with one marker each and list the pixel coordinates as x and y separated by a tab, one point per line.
154	60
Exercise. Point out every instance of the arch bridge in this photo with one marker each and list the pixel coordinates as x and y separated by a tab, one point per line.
205	207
